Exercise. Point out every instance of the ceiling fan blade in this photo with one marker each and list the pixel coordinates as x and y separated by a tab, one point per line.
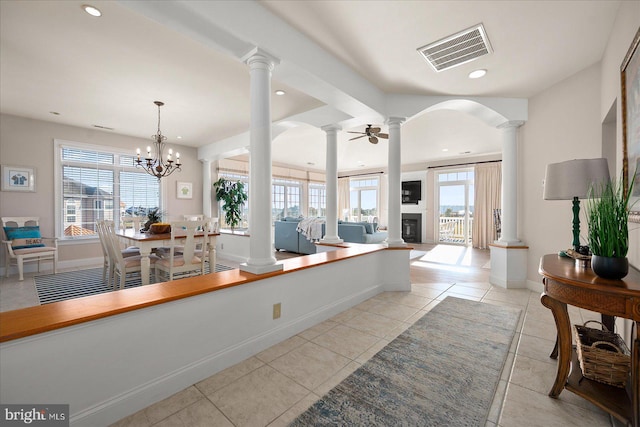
383	135
373	140
349	131
374	130
357	137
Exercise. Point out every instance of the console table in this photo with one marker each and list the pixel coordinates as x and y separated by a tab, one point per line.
566	283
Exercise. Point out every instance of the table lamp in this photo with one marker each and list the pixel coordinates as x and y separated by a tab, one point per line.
571	180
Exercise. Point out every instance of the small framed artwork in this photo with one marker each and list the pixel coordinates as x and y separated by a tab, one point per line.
18	178
185	190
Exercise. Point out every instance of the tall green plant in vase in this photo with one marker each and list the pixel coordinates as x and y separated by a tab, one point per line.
608	217
234	196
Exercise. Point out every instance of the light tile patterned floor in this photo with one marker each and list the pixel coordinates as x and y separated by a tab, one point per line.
273	387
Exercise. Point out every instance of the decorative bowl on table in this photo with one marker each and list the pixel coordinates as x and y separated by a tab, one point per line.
160	228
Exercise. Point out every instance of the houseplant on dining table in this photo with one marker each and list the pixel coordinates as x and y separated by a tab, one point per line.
608	217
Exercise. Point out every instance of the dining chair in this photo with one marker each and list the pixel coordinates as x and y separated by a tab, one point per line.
135	221
107	267
186	262
121	265
24	242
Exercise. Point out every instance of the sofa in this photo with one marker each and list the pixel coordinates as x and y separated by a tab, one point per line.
287	238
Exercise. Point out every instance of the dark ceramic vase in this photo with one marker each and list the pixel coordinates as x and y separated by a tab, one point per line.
610	268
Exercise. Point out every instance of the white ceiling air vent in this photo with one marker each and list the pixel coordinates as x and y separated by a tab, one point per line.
457	49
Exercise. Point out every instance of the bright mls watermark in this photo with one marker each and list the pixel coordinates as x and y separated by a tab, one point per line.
34	415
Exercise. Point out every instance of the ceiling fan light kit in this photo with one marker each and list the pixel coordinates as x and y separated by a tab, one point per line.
372	132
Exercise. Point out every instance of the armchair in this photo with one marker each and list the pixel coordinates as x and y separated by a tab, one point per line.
24	243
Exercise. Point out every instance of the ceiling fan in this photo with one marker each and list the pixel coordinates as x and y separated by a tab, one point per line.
372	133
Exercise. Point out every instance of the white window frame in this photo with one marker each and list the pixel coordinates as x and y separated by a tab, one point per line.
287	183
322	196
359	190
59	144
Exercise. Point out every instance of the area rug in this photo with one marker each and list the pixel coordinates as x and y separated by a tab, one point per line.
82	283
442	371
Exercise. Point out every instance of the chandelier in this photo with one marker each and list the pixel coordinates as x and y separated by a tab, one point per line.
157	166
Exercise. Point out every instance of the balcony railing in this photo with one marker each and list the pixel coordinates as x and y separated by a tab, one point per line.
452	229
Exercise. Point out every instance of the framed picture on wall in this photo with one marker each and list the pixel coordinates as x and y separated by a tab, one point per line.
185	190
18	178
630	82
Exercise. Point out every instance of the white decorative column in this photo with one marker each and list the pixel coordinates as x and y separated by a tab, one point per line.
261	258
509	255
394	228
331	226
206	187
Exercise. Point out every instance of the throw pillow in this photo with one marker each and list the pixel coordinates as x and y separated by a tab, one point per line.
24	237
368	227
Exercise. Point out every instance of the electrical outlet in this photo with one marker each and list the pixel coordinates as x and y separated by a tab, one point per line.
276	311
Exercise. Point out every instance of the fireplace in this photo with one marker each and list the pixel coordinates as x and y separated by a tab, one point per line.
412	228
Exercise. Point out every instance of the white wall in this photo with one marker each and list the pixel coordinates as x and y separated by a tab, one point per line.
112	367
564	124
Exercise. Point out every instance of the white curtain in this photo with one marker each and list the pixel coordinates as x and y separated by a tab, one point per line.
344	198
488	189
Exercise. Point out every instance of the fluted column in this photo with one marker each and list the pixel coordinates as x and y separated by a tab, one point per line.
509	233
206	187
261	257
394	237
331	226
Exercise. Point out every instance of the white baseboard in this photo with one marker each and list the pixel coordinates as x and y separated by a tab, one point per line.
131	401
47	266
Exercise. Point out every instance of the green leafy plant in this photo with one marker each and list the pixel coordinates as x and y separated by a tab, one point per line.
154	216
234	196
608	215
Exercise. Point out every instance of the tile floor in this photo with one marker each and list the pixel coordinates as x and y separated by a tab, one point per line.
273	387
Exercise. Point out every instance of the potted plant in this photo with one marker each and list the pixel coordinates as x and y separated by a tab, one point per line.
234	196
154	218
607	216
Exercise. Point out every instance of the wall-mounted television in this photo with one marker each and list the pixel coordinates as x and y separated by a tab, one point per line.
411	192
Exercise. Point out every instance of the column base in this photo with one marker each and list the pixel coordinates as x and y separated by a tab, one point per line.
508	264
396	243
260	269
331	240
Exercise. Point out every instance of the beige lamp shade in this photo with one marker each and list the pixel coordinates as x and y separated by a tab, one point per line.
574	178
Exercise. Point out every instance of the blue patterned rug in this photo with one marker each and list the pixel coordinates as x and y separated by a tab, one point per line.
82	283
442	371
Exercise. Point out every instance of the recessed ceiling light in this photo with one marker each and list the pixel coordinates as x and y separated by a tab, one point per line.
445	149
477	74
310	163
179	137
93	11
280	92
55	113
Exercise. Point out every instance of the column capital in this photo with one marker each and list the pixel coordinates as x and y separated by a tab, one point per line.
331	128
205	161
511	124
259	58
395	120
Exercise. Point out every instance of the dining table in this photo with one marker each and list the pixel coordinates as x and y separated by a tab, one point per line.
147	242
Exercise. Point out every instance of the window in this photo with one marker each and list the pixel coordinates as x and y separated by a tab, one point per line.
455	200
364	198
317	200
286	198
98	184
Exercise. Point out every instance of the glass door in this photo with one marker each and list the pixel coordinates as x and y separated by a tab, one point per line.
455	201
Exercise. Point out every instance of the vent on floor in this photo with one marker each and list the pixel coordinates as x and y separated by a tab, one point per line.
457	49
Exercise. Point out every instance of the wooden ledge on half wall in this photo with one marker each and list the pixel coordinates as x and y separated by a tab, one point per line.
29	321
